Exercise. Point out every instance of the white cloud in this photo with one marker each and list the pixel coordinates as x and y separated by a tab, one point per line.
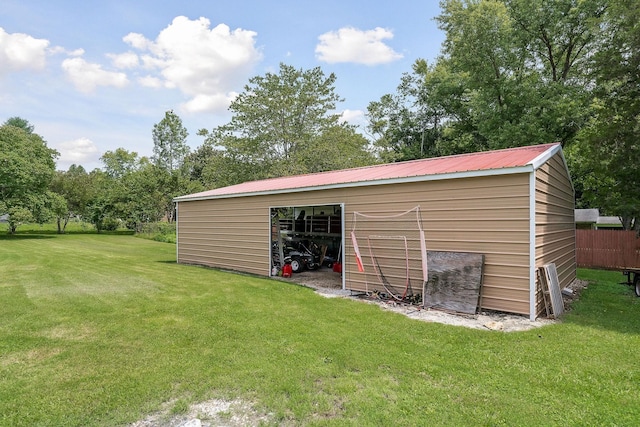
216	102
138	41
20	51
204	63
355	117
77	52
352	45
124	60
150	81
87	76
59	49
78	151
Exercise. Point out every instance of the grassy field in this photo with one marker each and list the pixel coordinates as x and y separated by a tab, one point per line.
103	329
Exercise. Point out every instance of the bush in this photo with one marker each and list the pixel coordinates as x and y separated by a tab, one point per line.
110	224
158	231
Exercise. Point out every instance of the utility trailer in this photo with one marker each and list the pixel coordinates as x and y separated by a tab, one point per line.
633	279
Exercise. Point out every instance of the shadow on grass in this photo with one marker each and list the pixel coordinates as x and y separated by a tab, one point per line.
36	234
26	236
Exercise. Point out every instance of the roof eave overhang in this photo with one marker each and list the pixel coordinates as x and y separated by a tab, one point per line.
528	168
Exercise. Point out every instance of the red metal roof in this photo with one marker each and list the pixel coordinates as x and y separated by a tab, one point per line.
474	163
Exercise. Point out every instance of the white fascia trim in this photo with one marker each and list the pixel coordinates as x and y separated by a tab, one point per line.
177	235
532	246
566	166
270	243
343	271
420	178
544	157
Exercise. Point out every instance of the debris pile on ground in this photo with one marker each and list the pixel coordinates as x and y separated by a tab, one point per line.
326	285
572	292
486	320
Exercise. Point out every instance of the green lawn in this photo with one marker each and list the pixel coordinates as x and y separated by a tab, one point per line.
102	329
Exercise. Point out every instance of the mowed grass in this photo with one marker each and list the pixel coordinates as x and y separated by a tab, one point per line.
105	329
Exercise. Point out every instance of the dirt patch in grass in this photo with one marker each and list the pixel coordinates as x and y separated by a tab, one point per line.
211	413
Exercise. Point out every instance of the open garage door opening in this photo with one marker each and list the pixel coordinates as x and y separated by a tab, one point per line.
307	242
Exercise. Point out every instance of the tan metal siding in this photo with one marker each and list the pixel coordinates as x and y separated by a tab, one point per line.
487	215
230	234
555	223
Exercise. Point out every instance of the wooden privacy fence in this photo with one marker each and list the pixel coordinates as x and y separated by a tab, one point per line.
609	249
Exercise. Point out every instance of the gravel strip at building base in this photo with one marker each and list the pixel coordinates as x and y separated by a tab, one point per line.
327	283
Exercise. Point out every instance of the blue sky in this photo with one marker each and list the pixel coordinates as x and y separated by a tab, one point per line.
95	76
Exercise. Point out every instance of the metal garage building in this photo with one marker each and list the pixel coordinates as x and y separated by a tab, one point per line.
514	206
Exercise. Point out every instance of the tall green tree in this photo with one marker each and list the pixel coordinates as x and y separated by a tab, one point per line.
27	167
511	73
197	162
559	36
408	124
169	185
170	150
102	207
169	142
276	120
120	162
337	147
21	123
607	162
126	193
142	198
132	191
220	167
114	200
74	186
525	64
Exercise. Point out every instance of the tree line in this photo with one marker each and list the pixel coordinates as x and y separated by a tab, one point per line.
510	73
519	72
283	123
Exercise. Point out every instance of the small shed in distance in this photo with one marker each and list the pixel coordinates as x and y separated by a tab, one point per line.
514	206
590	219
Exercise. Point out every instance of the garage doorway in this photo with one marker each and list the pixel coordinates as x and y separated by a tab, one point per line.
309	239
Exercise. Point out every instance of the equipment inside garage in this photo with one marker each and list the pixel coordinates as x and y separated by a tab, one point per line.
306	238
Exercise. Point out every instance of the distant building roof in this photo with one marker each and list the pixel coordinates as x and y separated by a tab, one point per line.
592	216
510	160
609	221
589	216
